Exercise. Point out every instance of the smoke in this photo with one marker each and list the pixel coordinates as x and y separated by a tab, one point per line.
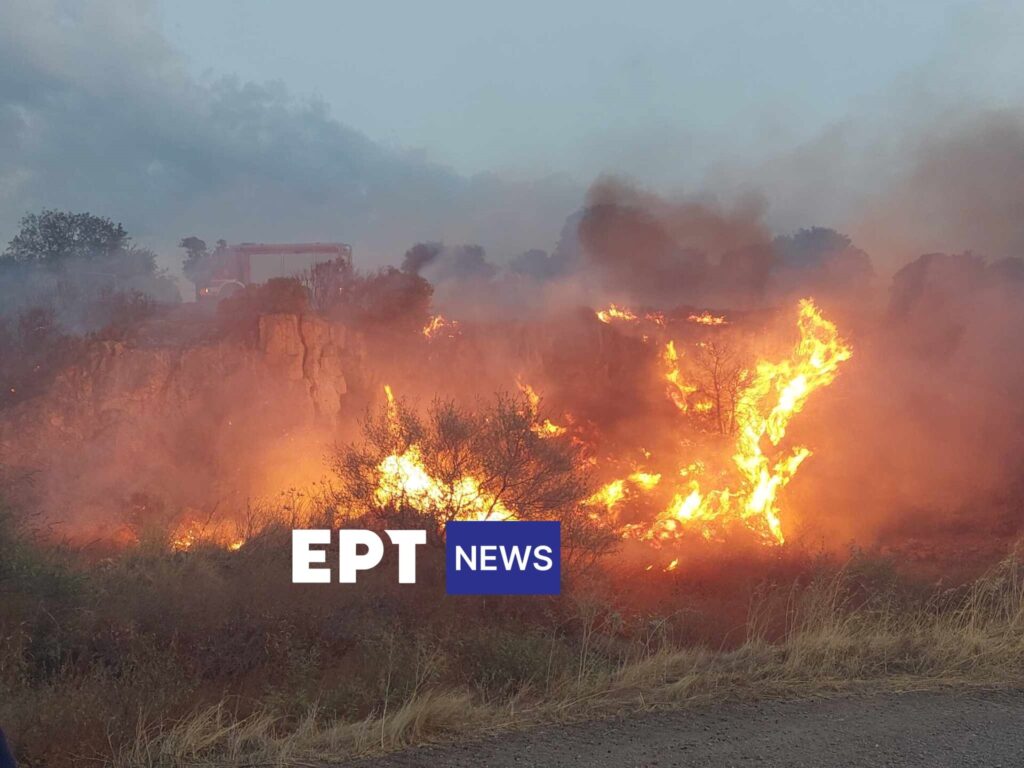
98	113
962	188
919	435
658	251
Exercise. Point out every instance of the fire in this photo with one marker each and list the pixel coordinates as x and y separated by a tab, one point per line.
615	312
545	428
706	318
625	314
766	406
678	389
743	489
609	495
403	478
185	537
192	532
440	323
645	480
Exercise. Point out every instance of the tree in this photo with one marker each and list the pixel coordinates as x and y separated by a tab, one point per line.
387	298
196	259
721	375
329	283
53	237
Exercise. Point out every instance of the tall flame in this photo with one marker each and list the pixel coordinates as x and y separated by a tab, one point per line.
678	390
764	410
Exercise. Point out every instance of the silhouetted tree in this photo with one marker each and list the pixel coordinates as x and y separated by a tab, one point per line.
196	258
52	237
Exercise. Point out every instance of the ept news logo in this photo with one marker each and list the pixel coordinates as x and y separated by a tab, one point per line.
481	557
506	558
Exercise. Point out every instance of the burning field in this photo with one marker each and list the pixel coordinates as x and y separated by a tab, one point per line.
777	471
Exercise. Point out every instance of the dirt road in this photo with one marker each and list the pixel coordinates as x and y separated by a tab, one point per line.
926	729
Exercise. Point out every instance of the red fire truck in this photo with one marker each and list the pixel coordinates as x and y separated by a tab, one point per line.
232	267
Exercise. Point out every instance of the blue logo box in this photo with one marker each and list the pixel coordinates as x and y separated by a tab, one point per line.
503	558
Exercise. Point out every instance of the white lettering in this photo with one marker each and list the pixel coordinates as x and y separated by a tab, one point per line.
349	562
303	557
407	541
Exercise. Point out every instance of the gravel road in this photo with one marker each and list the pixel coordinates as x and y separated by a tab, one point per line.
926	729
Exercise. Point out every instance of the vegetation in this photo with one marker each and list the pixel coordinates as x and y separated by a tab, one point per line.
62	276
146	656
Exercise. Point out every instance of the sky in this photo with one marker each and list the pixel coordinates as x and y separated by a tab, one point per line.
580	86
385	123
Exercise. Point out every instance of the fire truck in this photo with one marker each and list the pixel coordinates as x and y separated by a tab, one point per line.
232	267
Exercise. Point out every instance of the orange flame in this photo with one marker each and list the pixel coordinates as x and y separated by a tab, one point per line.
706	318
615	312
678	389
785	387
545	428
439	323
404	479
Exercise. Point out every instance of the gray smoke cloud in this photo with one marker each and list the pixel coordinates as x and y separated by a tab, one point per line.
98	113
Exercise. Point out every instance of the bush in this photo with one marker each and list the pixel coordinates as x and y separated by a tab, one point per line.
487	463
238	315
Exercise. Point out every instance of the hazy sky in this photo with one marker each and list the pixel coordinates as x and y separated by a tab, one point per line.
581	86
385	123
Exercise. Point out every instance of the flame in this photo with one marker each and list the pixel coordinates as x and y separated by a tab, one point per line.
403	478
777	393
615	312
678	389
189	533
625	314
610	494
183	539
696	502
646	480
706	318
437	323
545	428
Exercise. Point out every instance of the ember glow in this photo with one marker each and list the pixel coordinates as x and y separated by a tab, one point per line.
191	533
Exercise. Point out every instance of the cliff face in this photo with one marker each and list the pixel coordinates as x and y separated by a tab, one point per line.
307	350
186	425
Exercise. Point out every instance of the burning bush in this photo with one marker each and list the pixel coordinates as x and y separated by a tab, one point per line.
454	463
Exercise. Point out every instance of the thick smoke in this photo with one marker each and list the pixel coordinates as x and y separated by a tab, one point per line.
959	187
659	251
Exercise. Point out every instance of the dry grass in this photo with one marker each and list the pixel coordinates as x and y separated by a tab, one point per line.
840	633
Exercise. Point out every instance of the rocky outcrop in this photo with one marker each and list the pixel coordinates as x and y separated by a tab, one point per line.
188	424
309	349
